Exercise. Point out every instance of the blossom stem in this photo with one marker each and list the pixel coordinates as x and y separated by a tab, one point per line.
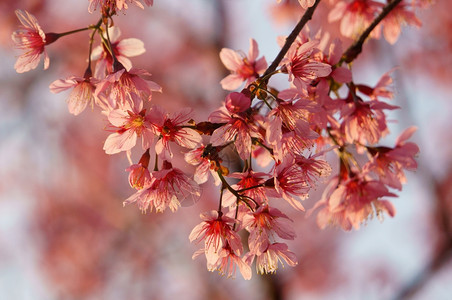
290	39
96	27
116	64
221	200
234	192
251	187
156	163
74	31
355	49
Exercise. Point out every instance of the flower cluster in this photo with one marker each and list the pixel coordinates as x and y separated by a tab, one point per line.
281	136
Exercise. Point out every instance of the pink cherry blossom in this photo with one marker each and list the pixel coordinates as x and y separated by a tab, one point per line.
237	102
268	261
173	128
131	123
313	168
389	163
383	88
365	121
114	5
216	231
227	264
288	129
263	224
332	57
32	40
350	201
301	66
238	128
251	185
139	174
167	188
119	85
399	16
122	49
289	183
207	160
81	95
242	68
355	16
304	3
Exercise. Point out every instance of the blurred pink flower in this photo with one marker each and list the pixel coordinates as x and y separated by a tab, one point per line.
242	68
351	201
114	5
32	40
355	16
393	22
389	163
365	122
304	3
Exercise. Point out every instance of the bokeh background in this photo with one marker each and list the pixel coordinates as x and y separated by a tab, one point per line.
65	235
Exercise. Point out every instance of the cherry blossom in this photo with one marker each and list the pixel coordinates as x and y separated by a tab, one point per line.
266	144
243	68
301	66
365	121
123	49
173	128
263	224
119	85
131	122
355	16
114	5
139	174
289	184
399	16
238	128
268	261
389	163
207	160
167	188
32	40
350	201
217	232
81	95
227	264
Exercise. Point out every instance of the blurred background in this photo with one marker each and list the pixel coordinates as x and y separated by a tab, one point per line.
64	233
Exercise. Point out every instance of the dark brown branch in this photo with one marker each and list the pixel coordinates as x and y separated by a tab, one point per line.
355	49
291	38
